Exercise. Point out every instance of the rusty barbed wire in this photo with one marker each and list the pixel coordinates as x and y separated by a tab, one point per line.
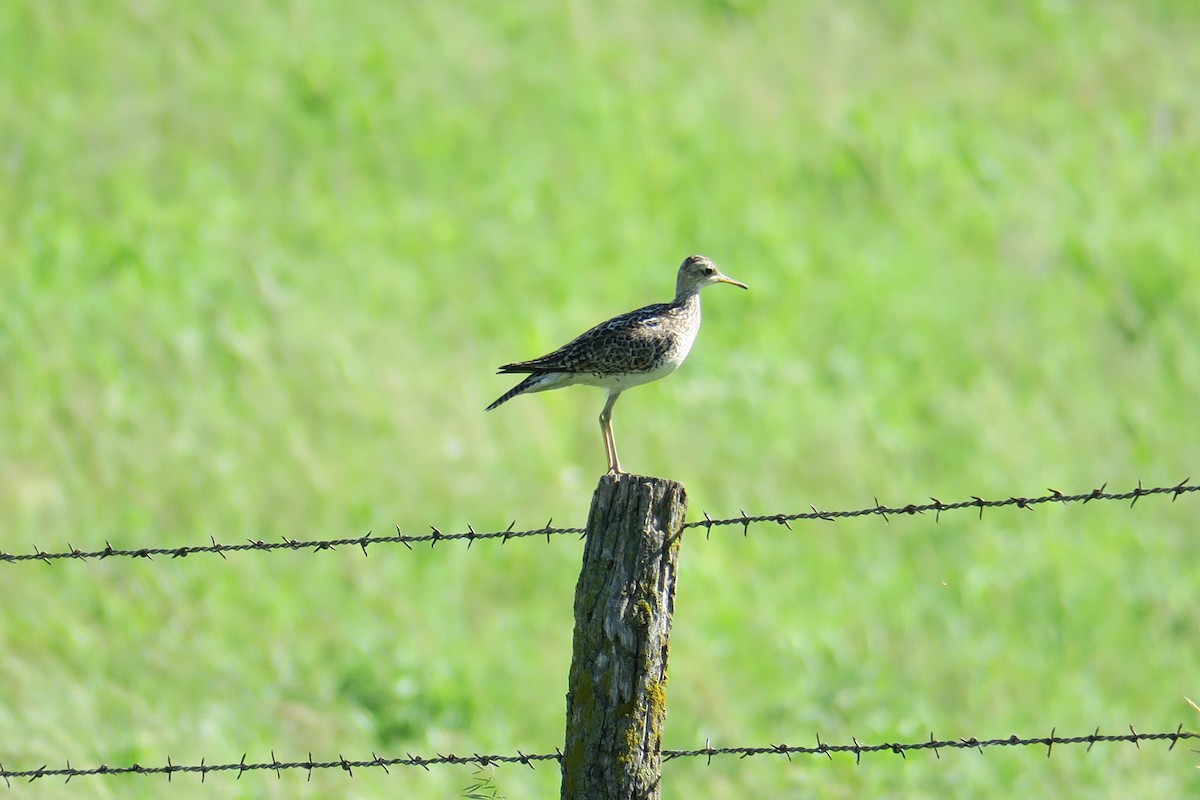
530	760
470	536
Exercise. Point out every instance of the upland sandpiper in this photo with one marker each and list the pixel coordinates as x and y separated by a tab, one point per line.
628	350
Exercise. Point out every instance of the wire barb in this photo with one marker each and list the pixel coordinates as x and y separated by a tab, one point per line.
822	514
821	747
1180	488
880	510
938	506
1175	738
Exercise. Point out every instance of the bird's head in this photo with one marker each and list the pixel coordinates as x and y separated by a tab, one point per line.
696	272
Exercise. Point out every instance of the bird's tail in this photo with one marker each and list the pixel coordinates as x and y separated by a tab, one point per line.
520	388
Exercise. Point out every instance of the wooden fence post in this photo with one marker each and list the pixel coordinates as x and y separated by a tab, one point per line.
616	696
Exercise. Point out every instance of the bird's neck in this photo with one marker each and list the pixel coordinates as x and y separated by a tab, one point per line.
687	298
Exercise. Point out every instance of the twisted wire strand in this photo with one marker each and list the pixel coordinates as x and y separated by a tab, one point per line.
531	760
470	536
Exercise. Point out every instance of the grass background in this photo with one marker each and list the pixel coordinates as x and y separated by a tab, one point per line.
258	264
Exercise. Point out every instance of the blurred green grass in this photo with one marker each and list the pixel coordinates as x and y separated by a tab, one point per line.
259	264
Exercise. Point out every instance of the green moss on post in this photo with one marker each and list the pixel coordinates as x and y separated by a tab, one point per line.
616	698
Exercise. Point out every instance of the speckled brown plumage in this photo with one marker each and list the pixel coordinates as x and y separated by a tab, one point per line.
632	349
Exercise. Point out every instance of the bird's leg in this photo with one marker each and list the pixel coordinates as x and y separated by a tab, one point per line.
610	442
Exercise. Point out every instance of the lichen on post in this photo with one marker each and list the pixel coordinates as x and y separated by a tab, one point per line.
616	698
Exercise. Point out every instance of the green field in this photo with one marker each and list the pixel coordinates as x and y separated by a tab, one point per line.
258	264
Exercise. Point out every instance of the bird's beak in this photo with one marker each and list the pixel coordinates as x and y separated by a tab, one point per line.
731	281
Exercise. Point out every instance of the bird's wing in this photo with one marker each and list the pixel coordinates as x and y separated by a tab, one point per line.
631	342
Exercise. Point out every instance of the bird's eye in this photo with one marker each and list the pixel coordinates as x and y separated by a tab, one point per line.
709	270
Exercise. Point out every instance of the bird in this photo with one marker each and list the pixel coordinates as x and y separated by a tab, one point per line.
628	350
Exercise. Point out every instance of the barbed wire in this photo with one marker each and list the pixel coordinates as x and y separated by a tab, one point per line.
938	506
530	760
470	536
821	748
314	545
